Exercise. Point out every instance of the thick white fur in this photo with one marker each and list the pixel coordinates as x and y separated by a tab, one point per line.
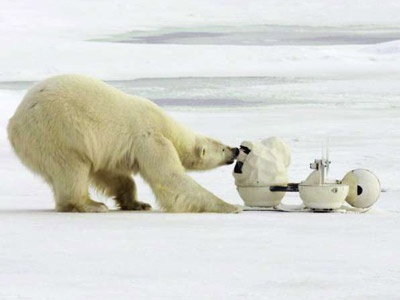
75	131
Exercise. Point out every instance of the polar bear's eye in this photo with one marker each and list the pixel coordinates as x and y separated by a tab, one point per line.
223	150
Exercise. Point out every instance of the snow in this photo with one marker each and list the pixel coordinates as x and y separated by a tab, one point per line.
302	93
247	256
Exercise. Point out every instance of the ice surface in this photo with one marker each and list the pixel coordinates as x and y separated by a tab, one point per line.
301	93
45	38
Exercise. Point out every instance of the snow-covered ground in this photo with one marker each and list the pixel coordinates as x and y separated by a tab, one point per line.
301	70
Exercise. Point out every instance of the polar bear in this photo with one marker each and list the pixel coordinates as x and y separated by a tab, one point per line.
77	131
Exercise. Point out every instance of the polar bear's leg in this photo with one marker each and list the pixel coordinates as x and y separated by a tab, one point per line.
121	187
71	190
160	166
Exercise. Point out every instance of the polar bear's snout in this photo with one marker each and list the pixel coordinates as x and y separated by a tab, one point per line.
235	153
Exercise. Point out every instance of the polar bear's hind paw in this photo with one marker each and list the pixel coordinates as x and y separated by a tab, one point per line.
137	205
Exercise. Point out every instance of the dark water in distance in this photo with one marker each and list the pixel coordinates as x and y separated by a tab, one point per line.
259	35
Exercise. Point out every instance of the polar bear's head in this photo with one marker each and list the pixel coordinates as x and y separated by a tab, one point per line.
209	154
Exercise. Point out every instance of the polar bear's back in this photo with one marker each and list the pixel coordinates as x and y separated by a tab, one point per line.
75	101
83	115
77	94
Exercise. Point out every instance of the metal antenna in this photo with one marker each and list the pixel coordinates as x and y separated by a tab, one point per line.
322	166
327	161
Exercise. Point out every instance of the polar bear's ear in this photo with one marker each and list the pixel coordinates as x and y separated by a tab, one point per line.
202	151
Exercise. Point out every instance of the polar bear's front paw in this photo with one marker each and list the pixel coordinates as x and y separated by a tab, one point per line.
230	209
235	209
